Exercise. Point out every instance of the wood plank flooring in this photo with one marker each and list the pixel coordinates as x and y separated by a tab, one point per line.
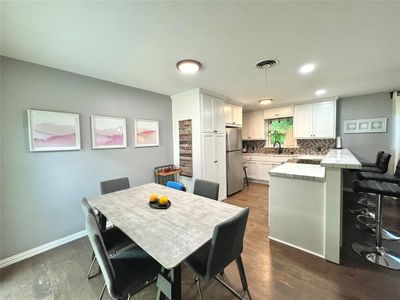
274	271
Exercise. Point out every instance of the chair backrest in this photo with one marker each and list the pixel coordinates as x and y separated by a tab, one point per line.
378	156
206	189
100	252
226	243
87	209
397	171
176	185
114	185
383	163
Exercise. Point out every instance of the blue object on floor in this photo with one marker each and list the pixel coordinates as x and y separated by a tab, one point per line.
176	185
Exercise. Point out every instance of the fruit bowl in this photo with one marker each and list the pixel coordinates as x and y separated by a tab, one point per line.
157	205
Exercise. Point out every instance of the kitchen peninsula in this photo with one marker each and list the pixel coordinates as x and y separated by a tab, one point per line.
305	204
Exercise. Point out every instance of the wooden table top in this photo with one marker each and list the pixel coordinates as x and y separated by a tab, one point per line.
168	235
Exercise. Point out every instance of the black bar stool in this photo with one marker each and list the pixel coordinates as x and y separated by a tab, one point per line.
377	253
381	167
245	175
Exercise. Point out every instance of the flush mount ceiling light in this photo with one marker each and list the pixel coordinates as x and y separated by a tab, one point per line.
308	68
320	92
265	101
265	65
188	66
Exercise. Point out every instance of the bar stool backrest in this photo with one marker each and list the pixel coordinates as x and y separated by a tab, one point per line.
378	156
397	172
383	163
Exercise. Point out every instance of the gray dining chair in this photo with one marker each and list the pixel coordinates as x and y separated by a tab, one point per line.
114	239
110	186
206	189
114	185
225	247
126	273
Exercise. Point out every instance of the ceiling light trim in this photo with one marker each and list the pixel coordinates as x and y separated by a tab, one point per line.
188	66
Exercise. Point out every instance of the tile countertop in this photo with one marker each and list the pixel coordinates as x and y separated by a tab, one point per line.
299	171
340	158
300	156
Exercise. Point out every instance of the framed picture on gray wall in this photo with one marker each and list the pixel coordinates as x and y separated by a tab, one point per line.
108	132
365	125
53	131
146	133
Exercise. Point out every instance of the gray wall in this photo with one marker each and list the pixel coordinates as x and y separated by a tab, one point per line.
41	192
365	145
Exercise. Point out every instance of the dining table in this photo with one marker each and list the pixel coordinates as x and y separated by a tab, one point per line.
168	235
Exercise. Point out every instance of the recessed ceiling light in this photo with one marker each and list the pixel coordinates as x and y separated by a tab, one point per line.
308	68
265	101
188	66
320	92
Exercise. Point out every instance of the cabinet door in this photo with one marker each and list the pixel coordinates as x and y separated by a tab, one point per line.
264	170
228	113
303	121
208	156
220	164
257	126
252	169
219	115
237	115
325	119
247	126
207	113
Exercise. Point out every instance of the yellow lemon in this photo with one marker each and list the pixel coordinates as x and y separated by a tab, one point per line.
153	198
163	200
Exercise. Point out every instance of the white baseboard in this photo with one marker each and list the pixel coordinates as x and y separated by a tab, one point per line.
40	249
297	247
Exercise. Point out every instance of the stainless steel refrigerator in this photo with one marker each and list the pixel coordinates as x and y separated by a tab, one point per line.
234	160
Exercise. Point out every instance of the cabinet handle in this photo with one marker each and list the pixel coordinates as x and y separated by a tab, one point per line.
215	130
215	161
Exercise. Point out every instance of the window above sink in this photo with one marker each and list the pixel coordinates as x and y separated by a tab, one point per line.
281	130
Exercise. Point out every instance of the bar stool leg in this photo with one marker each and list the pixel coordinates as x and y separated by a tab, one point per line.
377	254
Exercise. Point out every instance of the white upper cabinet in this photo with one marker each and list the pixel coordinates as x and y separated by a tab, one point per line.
325	119
247	126
228	113
278	112
303	121
237	114
258	126
253	126
212	114
233	114
315	120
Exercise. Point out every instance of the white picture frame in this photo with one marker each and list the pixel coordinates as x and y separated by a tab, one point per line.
377	125
146	133
108	132
53	131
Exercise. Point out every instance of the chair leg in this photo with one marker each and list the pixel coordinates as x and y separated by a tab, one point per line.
90	269
242	274
102	292
199	288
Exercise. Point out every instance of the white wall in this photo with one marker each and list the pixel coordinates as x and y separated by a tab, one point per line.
187	106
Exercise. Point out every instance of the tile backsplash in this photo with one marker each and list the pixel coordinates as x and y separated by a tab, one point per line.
314	146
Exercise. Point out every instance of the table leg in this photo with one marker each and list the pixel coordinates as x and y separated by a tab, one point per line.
169	284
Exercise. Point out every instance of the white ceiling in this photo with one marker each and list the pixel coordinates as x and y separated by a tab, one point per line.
355	45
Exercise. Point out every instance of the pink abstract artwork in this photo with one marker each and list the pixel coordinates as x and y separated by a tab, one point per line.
146	133
53	131
108	132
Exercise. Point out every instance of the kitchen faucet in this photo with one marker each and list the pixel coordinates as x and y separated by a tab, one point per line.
279	147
